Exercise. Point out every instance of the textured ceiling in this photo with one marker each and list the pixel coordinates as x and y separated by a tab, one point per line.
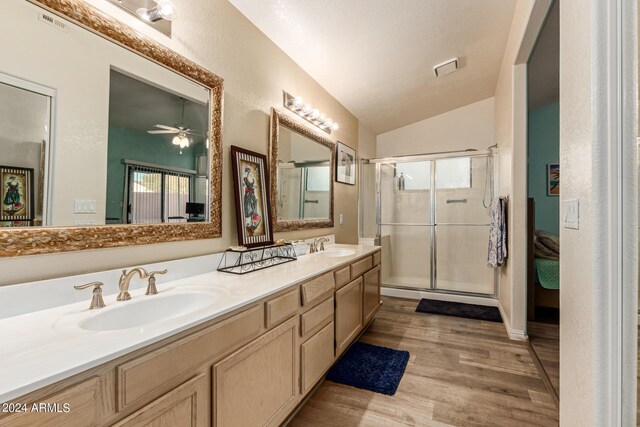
544	65
376	56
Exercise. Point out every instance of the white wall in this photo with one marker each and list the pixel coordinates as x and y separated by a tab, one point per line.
218	37
510	117
466	127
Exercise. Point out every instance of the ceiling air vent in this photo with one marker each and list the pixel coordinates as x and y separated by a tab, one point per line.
446	67
55	22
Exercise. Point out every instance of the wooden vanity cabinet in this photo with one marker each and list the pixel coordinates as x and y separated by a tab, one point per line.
251	367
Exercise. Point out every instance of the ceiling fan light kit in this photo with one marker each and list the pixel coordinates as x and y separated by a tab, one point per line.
182	133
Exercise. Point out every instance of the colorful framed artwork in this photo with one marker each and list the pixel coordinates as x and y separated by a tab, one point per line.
250	187
553	179
345	164
16	194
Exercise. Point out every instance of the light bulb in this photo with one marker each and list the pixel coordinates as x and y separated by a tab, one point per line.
176	140
298	101
328	123
335	126
314	114
322	118
166	9
306	108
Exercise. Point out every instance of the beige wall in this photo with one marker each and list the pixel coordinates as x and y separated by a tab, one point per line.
510	135
217	36
466	127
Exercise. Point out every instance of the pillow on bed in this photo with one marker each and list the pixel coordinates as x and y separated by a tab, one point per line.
546	244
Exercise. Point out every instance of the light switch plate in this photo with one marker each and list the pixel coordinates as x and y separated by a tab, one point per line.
81	206
571	218
341	219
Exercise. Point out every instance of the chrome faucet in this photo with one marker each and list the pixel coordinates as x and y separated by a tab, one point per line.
125	280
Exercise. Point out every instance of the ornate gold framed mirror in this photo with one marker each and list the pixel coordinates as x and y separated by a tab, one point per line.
301	169
126	147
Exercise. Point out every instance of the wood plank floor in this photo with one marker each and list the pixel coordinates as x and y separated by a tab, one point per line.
461	372
545	340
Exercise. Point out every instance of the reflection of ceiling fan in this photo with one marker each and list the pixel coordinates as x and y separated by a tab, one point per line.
181	139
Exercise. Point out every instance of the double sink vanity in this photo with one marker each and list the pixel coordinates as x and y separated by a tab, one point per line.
208	349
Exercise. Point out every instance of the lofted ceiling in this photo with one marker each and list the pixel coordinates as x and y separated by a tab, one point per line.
376	56
136	105
544	66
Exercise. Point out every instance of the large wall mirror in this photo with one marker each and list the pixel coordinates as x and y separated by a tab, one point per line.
106	137
302	168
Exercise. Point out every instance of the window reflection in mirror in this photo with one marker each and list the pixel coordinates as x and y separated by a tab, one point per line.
304	177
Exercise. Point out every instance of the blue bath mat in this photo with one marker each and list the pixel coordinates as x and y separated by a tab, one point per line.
370	367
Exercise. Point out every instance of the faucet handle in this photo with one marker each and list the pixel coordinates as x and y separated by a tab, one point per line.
151	287
96	299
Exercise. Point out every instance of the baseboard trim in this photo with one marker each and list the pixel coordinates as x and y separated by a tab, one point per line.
418	295
514	334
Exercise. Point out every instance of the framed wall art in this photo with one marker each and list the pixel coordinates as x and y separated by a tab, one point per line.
250	187
345	164
16	194
553	179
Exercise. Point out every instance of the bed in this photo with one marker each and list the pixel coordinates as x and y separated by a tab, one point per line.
543	272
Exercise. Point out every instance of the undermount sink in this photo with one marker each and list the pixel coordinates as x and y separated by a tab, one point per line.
147	309
336	253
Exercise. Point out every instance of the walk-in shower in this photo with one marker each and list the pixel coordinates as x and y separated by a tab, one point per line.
428	213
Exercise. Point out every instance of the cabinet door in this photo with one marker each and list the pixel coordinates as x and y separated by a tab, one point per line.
371	300
257	385
316	356
187	405
348	314
74	406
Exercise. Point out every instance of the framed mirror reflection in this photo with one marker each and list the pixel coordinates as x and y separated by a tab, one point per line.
302	174
123	135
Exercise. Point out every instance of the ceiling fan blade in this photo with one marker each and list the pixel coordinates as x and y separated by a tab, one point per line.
190	132
167	127
162	132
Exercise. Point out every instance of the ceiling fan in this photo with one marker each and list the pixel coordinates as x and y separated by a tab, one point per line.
181	131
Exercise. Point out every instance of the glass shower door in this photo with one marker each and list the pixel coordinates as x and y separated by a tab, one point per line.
462	230
406	223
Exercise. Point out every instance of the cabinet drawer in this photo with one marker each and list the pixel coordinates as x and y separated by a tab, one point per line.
316	316
281	308
358	268
377	257
153	374
317	287
343	276
187	405
82	400
316	356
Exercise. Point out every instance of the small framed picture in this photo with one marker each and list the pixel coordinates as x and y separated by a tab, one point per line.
345	164
553	179
250	188
17	194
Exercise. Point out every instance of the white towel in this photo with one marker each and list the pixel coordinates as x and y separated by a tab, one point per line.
497	251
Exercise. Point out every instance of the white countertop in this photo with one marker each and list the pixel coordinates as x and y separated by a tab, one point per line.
43	347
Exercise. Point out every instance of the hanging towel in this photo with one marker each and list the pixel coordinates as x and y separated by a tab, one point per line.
497	252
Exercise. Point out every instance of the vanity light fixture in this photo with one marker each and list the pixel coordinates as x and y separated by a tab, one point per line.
164	9
309	113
